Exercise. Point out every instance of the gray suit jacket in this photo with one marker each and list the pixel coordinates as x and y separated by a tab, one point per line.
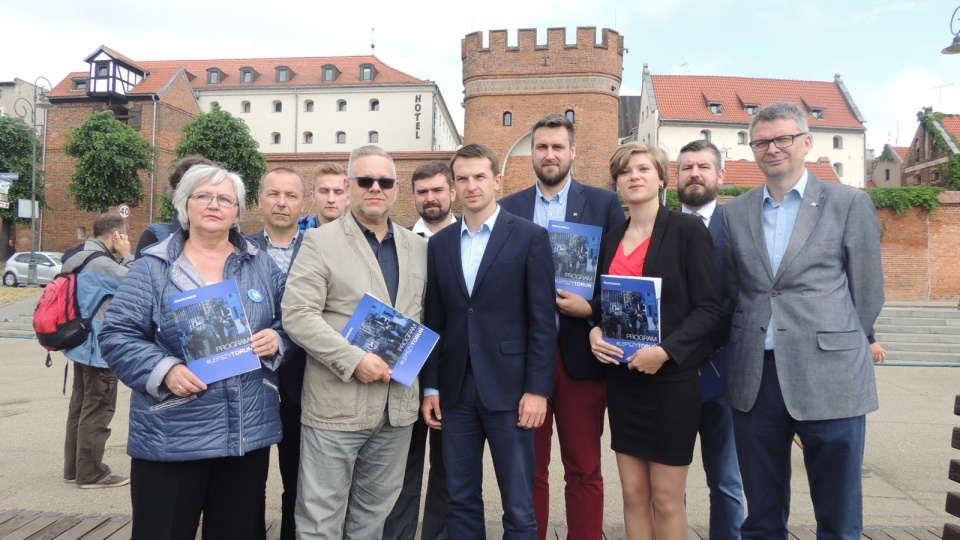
825	297
333	269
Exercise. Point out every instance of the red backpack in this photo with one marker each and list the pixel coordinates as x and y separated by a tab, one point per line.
57	320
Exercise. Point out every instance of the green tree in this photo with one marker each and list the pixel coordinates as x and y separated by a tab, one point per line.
110	155
221	137
16	156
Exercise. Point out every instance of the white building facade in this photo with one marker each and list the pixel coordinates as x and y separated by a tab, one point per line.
677	109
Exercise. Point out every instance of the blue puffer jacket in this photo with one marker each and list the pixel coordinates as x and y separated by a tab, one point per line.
140	343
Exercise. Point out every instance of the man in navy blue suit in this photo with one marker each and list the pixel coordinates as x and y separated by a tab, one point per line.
580	385
699	174
490	296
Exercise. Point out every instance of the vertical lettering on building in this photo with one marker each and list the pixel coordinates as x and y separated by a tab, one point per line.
416	116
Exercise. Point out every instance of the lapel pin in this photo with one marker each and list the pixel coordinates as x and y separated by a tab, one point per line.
814	204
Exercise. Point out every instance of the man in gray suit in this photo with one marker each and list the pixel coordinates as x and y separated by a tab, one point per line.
805	275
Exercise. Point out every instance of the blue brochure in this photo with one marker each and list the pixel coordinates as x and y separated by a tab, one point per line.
214	332
400	341
576	248
631	312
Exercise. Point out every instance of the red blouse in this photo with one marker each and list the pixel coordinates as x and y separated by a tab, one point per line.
629	265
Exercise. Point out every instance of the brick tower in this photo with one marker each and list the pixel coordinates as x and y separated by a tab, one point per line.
507	89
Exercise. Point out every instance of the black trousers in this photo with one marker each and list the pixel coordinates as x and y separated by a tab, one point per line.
288	450
169	497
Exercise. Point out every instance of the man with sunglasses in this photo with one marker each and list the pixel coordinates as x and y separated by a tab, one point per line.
356	421
805	277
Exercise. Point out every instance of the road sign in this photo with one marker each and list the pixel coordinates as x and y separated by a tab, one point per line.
124	211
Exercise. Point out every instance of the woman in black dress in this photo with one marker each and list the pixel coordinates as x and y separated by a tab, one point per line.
654	395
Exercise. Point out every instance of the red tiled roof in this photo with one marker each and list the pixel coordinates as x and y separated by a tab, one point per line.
63	88
305	71
952	124
901	151
681	97
743	173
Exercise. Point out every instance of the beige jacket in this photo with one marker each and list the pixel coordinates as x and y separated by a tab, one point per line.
331	273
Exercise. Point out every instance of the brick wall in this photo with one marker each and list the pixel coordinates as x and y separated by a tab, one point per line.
920	252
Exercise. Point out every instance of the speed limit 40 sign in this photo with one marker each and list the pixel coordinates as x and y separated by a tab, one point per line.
124	211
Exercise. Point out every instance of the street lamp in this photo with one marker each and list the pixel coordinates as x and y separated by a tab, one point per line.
40	102
954	47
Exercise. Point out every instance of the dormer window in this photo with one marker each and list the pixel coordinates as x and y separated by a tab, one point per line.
283	74
247	75
716	107
817	113
751	109
103	70
79	85
367	72
214	76
330	73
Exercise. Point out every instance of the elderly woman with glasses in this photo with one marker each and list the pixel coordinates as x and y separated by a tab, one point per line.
197	449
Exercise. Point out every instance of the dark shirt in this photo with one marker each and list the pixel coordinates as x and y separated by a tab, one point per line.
386	254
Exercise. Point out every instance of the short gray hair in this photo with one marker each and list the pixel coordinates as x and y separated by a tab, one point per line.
205	175
368	150
781	110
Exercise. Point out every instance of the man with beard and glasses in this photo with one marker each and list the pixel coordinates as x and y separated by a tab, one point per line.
580	388
700	173
433	196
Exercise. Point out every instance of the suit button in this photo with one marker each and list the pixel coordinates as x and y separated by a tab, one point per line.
470	310
774	293
763	329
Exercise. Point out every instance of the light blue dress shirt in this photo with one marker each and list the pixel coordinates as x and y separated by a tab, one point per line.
554	209
472	246
778	222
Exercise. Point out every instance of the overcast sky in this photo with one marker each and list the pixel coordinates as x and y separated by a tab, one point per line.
887	51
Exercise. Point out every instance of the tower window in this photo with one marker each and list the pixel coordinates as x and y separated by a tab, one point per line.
508	119
571	116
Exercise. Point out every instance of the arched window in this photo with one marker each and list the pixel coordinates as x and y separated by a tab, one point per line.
886	175
571	116
373	137
705	135
341	105
214	105
308	105
245	106
742	137
507	118
838	167
341	137
837	141
277	106
275	137
374	104
307	137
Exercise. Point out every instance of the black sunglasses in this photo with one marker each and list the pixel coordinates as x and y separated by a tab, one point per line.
366	182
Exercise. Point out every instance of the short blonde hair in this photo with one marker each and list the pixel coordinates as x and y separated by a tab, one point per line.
622	156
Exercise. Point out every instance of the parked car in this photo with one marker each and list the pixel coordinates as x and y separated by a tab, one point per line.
48	266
